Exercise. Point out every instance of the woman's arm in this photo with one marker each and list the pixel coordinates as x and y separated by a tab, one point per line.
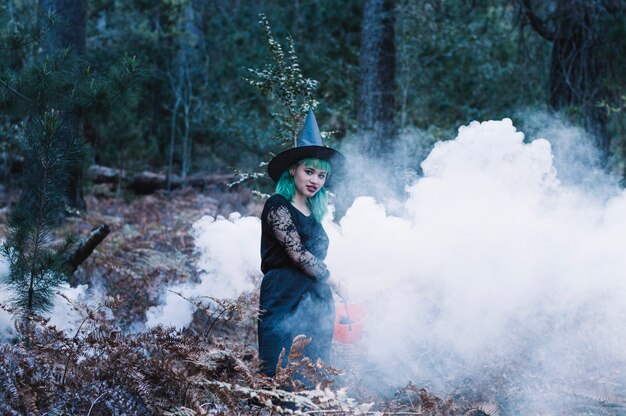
280	221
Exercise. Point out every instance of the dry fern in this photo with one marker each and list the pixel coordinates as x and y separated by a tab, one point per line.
209	368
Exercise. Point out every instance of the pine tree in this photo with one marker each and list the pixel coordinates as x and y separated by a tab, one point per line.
36	268
37	93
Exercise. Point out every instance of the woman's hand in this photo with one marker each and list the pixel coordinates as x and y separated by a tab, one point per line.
339	288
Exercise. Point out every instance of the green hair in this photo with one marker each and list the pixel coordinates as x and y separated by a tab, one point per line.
318	203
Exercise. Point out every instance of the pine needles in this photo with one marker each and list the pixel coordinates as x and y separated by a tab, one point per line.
36	269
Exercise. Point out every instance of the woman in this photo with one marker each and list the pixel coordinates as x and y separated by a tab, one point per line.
296	295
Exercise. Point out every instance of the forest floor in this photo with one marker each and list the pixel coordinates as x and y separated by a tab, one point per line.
108	367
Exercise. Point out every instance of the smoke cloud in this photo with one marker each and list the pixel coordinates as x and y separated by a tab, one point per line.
63	315
5	317
229	259
503	267
496	266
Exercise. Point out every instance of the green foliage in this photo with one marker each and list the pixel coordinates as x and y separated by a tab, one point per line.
36	269
44	96
230	127
283	79
32	82
458	63
458	60
111	104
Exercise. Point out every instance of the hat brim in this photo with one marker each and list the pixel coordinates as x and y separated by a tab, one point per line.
285	159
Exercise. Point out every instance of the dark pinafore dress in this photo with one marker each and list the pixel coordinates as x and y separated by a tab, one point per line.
295	298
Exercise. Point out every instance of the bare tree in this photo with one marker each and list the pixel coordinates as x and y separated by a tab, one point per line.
376	104
173	128
577	71
182	89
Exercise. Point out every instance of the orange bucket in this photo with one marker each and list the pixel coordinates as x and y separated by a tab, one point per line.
349	322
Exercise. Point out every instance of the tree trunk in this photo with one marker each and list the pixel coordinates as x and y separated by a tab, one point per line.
376	104
576	70
72	24
187	95
170	151
69	32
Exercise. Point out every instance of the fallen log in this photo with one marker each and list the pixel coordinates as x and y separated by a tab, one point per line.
104	174
84	250
147	182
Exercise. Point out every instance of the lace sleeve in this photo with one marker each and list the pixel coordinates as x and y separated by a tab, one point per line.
281	223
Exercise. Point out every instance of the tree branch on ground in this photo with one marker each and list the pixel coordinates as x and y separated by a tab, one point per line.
86	247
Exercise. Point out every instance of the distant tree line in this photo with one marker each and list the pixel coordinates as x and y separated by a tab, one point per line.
182	86
159	85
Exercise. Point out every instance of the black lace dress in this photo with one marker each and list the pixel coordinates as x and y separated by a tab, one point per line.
295	298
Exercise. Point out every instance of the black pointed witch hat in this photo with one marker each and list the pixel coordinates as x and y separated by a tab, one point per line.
309	146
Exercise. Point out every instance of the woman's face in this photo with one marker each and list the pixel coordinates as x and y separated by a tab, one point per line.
307	180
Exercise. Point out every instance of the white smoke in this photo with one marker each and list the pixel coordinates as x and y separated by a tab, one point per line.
63	315
495	261
6	327
66	313
229	251
494	267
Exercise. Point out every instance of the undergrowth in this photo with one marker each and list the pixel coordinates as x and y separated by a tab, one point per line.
108	366
101	370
